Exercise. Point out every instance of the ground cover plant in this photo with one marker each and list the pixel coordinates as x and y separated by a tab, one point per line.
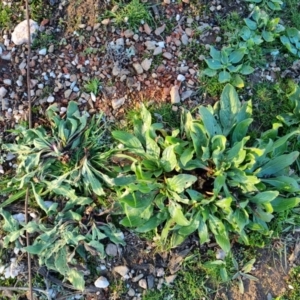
205	189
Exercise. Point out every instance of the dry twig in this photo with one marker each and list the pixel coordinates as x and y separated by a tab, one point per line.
30	126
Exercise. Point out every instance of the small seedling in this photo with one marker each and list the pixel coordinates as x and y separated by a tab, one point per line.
242	273
93	86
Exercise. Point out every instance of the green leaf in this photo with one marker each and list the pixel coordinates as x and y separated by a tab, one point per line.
199	138
209	121
36	248
238	81
246	70
151	224
151	147
240	218
214	53
39	200
76	278
219	183
214	64
281	204
240	130
129	140
138	199
187	155
177	215
251	24
245	33
264	197
229	108
60	261
223	241
168	159
283	183
268	36
224	76
277	164
203	232
237	55
180	182
209	72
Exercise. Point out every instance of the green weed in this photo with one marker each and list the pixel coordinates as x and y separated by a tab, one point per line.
93	86
5	16
44	40
133	14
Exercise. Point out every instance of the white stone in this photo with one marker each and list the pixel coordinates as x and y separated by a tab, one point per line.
101	282
3	92
174	93
19	36
161	44
50	99
146	64
180	77
7	81
43	51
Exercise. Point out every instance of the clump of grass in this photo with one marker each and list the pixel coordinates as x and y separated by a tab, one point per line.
93	86
133	14
44	40
5	15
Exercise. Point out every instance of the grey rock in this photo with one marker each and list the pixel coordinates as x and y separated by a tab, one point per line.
160	30
189	31
101	282
137	278
138	68
116	70
150	45
67	93
3	92
184	39
167	55
19	35
146	64
150	282
131	292
186	94
121	270
160	272
111	250
157	51
51	48
128	33
174	93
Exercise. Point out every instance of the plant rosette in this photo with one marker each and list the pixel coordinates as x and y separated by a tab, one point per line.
204	177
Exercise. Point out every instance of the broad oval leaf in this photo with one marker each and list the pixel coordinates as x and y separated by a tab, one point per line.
229	108
180	182
177	215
